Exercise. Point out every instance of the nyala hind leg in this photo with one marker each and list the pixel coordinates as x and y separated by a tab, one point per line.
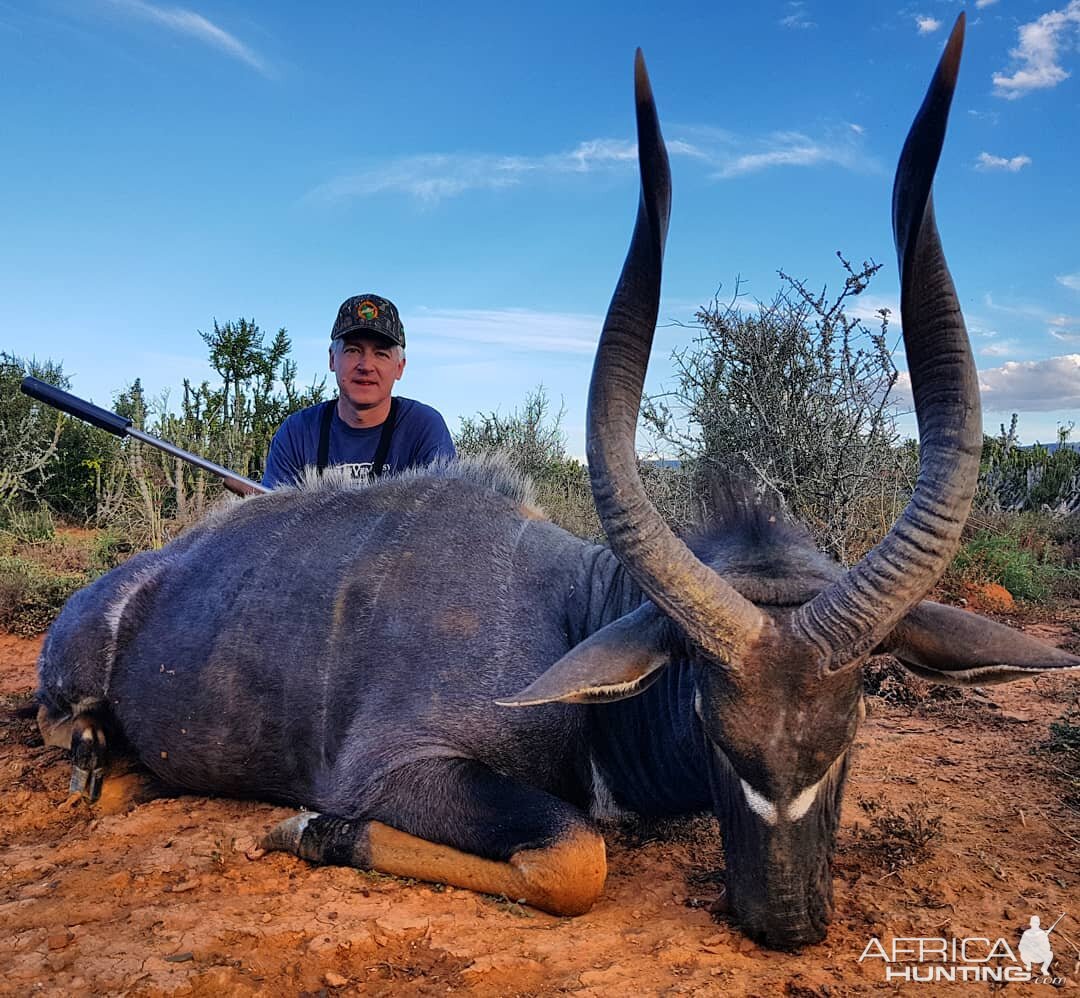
89	755
87	736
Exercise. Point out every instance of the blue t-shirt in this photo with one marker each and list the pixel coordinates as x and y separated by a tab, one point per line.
420	436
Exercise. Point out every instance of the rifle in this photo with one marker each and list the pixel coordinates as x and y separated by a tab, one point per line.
122	427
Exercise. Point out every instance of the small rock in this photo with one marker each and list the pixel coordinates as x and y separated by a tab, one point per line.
60	960
517	965
362	942
267	918
322	944
396	924
249	846
603	979
333	979
672	955
184	886
58	940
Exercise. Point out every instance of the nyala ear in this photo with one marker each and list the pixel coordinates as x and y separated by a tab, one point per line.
944	644
618	661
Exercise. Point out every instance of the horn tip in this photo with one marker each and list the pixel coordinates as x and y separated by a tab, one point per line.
950	58
642	86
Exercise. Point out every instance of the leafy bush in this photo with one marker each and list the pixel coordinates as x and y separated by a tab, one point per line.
29	430
28	526
533	440
1022	479
110	548
793	397
1020	553
31	596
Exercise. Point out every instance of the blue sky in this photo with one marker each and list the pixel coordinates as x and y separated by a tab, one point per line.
163	166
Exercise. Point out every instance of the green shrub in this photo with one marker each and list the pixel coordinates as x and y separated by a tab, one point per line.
31	596
29	526
110	548
1026	553
994	558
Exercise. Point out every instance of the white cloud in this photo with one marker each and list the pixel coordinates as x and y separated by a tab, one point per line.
1041	42
1032	385
980	4
1071	281
927	25
988	162
187	22
998	349
797	17
857	129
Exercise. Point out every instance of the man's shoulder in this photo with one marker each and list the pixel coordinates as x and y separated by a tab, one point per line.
419	412
303	419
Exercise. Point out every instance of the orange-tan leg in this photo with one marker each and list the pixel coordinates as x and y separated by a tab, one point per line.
538	848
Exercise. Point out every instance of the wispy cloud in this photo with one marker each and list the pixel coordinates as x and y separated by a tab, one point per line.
1041	42
980	4
988	162
1071	281
520	329
188	22
433	177
796	149
797	17
991	116
1032	385
1058	325
927	25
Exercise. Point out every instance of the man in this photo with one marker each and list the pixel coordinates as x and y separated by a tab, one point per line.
364	429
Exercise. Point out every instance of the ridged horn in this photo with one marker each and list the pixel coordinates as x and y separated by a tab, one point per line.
709	610
852	616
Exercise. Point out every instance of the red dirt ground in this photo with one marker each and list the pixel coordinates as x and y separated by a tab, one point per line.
160	899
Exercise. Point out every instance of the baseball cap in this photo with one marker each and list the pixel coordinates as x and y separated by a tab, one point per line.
369	314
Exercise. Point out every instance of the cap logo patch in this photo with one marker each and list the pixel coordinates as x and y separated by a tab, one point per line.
367	310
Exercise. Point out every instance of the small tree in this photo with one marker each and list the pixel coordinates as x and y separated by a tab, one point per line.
29	431
534	442
150	495
794	396
1017	479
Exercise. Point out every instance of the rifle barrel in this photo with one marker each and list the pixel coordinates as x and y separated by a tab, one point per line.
121	426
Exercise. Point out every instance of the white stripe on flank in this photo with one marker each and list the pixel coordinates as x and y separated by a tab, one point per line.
114	614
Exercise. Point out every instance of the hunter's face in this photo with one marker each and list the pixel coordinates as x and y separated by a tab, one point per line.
366	369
